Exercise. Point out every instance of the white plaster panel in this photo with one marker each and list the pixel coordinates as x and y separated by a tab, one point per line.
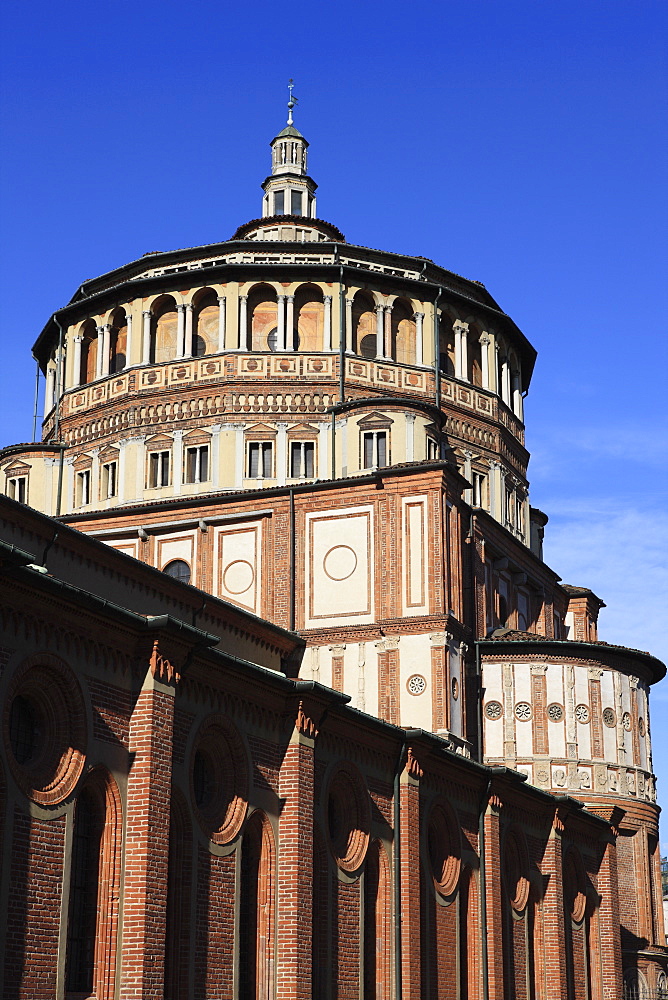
522	673
583	729
415	561
339	561
608	701
238	560
415	658
492	680
178	546
493	728
130	548
456	721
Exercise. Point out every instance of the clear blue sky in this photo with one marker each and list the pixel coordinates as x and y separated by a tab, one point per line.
520	143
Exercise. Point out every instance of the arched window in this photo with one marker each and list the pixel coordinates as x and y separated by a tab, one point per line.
474	355
403	333
178	570
446	348
165	329
364	325
205	323
88	352
94	886
263	313
118	341
309	319
256	916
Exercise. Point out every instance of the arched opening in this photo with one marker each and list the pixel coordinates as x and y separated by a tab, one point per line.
177	936
364	325
309	319
403	333
474	355
446	346
205	322
94	888
377	985
263	312
118	341
178	569
256	916
88	352
165	325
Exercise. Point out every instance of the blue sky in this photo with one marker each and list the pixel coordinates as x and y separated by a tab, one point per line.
522	144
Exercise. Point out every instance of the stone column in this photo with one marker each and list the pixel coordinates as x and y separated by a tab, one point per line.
468	494
505	381
147	832
461	350
106	349
387	354
243	322
100	352
349	326
419	338
281	452
180	330
76	374
177	462
222	316
95	477
484	359
128	340
146	337
517	394
290	324
327	331
380	332
188	344
280	323
410	437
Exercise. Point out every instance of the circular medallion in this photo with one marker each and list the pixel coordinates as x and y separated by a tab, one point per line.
340	562
555	712
626	721
609	717
582	713
238	577
523	711
416	684
493	709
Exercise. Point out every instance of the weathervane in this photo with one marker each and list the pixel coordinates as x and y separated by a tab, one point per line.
293	100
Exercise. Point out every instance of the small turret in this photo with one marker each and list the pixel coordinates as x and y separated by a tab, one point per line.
289	190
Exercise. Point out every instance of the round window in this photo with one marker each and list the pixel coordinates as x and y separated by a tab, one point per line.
348	817
219	779
178	570
26	727
493	709
444	846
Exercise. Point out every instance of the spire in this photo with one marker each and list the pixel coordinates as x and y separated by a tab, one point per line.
289	190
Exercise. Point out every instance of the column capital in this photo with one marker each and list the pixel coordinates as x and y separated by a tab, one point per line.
460	325
221	299
78	339
418	316
189	306
484	339
146	312
280	297
328	298
180	306
289	298
243	298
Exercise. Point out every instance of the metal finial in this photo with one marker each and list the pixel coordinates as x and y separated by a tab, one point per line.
292	101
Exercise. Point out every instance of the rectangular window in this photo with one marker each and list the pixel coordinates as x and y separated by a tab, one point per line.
260	460
478	489
279	203
17	488
197	464
83	488
295	203
432	449
374	449
109	480
302	459
158	469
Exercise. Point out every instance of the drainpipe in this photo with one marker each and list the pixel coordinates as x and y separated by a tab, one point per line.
483	890
437	349
398	990
292	560
342	361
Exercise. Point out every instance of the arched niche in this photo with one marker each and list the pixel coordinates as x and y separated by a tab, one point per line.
364	325
206	318
165	324
263	314
474	354
403	332
88	333
118	341
446	345
309	319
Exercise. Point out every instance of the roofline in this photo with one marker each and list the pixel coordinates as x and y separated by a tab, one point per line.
655	667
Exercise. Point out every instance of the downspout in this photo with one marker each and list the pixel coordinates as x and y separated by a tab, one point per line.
293	588
437	350
342	361
56	423
397	875
483	891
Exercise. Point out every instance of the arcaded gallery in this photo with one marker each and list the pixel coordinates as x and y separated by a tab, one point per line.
292	706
